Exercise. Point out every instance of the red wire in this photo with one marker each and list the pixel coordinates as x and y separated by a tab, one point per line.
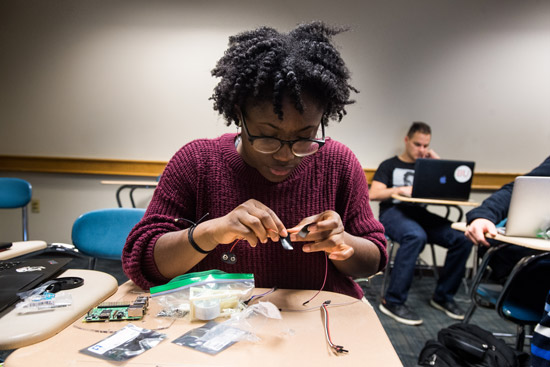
234	244
324	281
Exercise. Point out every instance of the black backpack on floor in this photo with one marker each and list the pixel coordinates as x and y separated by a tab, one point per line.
470	346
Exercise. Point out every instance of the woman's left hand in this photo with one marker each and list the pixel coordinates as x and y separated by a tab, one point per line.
326	231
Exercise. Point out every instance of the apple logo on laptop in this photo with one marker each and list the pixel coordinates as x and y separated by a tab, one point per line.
443	180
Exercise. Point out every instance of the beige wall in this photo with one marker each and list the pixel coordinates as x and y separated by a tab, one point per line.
131	80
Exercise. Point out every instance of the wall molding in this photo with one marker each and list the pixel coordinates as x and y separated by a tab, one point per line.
92	166
119	167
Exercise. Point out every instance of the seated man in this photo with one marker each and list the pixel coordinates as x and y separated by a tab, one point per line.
411	225
483	219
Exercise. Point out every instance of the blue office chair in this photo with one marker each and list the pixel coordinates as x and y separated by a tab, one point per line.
101	234
523	296
16	193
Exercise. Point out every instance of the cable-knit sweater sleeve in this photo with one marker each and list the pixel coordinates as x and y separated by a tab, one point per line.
174	198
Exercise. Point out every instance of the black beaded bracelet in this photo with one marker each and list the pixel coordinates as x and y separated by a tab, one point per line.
192	241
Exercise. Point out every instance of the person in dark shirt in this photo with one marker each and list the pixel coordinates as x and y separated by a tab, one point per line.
412	225
482	222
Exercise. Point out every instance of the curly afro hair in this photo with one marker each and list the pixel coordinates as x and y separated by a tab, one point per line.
265	65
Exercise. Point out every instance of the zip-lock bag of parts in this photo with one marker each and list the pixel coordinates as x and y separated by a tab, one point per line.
213	337
204	295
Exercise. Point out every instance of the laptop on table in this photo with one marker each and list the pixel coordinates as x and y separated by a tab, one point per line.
529	211
442	179
22	275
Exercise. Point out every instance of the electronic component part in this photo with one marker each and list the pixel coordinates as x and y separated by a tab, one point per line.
118	311
229	258
285	242
304	231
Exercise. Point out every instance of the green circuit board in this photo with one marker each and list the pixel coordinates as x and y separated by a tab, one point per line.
118	311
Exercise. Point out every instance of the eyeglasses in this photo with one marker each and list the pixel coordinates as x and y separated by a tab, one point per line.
271	144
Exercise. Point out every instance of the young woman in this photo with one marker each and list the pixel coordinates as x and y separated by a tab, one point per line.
247	194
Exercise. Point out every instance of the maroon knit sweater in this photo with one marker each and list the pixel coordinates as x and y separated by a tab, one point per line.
209	176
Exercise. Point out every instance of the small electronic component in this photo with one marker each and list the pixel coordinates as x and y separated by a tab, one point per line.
229	258
285	242
118	311
304	231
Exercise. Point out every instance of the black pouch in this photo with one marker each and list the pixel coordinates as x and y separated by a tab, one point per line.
436	354
478	347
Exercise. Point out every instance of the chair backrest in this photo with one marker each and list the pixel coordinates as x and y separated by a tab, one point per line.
102	233
16	193
524	294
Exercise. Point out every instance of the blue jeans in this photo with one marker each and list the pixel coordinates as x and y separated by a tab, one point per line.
412	227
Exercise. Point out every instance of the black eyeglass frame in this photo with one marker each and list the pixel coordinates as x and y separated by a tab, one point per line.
282	142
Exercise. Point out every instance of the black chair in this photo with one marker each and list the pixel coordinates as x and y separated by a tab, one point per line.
524	294
483	294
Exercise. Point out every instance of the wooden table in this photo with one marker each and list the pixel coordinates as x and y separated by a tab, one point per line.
296	340
532	243
22	248
448	203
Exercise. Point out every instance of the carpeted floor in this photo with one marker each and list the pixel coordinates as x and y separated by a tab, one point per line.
409	340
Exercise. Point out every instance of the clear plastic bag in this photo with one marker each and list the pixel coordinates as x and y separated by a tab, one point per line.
249	321
126	343
44	302
214	337
204	295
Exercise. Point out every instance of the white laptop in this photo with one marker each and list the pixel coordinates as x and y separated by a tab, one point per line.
529	211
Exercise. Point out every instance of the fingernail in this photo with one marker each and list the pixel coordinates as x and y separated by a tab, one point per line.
306	248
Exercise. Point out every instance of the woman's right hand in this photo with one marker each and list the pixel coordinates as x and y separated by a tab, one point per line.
251	221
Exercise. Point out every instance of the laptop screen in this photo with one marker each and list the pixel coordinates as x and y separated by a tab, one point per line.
529	211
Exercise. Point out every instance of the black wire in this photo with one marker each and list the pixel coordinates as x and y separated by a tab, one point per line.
190	221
